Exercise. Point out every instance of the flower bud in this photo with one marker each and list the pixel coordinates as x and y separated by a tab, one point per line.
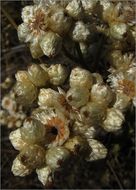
33	131
48	97
9	104
114	120
58	21
44	175
16	139
35	49
101	94
118	30
51	44
26	91
75	144
56	156
27	13
77	97
88	5
19	169
32	156
79	128
58	74
37	75
80	32
93	113
80	78
23	31
75	9
122	102
22	76
99	151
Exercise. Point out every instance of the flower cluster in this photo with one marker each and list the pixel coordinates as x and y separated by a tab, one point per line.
47	22
12	114
68	111
122	79
28	82
48	26
65	123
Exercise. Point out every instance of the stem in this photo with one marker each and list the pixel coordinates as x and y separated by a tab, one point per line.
115	175
9	18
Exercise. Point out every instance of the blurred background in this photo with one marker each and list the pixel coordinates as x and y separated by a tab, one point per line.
116	172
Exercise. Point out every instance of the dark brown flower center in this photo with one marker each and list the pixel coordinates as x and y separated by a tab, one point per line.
54	130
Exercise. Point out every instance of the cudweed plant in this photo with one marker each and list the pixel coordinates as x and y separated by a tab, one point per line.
73	103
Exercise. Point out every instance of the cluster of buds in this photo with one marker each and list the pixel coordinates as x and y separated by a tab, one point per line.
49	25
115	20
122	79
12	114
65	123
119	17
37	76
47	22
68	111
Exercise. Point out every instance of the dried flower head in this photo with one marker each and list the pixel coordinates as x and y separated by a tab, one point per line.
122	102
26	91
58	74
19	169
12	114
49	97
93	113
16	139
9	104
45	175
80	32
33	131
77	97
56	125
32	156
51	44
7	83
59	21
124	82
76	144
55	156
37	75
34	30
66	122
114	120
68	112
99	151
80	78
89	6
102	94
75	9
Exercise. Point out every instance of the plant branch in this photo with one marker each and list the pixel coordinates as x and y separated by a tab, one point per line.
7	15
115	175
